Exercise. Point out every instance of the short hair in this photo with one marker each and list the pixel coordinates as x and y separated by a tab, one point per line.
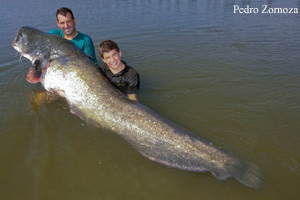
63	11
107	46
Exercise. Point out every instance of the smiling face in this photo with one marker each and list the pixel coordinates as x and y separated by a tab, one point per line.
67	25
113	61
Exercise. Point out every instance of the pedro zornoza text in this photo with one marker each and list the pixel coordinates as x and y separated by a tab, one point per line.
265	9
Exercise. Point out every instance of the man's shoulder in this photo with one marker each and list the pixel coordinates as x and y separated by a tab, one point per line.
83	36
132	77
56	32
103	66
130	70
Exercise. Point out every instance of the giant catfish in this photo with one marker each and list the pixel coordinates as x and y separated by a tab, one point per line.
65	70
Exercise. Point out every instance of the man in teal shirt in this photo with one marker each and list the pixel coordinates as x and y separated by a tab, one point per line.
66	22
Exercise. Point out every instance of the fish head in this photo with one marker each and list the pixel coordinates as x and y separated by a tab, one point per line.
28	43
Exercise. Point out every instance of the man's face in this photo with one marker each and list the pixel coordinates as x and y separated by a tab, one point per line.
112	59
66	23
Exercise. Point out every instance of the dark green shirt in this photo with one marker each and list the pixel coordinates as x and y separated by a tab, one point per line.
84	42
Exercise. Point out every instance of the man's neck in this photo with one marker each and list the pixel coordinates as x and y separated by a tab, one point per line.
70	37
119	69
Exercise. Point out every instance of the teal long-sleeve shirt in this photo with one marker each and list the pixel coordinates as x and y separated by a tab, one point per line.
84	42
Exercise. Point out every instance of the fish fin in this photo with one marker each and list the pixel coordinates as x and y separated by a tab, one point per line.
250	175
36	69
245	172
176	165
220	176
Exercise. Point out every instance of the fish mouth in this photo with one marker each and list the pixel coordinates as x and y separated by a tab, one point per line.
36	69
14	42
15	46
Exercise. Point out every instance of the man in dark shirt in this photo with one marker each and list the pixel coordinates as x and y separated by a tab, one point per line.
122	76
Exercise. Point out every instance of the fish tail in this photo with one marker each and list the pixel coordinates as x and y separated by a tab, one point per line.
250	175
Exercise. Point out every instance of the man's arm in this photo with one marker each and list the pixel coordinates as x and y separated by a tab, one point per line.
134	84
56	32
90	50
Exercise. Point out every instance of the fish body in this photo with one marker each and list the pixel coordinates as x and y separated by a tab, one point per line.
65	70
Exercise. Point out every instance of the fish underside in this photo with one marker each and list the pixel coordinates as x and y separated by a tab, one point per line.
65	70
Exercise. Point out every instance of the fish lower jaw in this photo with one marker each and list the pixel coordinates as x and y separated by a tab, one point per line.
14	45
32	59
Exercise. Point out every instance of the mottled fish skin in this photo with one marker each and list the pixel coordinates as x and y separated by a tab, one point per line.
74	77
